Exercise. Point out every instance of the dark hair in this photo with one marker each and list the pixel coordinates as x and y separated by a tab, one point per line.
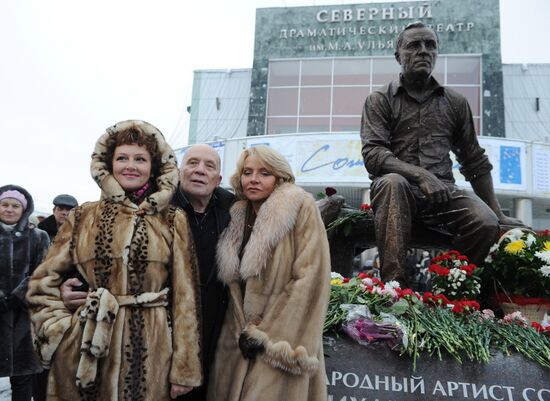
415	24
133	135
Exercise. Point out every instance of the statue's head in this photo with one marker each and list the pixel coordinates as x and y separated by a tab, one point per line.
416	50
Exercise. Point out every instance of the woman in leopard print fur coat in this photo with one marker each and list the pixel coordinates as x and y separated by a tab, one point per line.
137	336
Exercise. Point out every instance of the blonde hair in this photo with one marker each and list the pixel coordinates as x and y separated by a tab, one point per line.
273	161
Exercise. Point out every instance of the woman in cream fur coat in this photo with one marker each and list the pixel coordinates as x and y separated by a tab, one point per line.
274	257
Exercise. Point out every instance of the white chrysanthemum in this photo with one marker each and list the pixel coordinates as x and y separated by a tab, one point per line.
489	259
544	256
456	274
530	240
392	284
514	235
545	271
334	275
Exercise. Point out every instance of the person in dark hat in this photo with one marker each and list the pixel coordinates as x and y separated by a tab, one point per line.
62	205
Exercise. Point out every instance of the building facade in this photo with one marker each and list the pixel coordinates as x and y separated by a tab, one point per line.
314	66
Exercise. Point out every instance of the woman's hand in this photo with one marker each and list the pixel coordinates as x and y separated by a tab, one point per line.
176	390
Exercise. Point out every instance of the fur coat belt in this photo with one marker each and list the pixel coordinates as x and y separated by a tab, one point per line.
98	316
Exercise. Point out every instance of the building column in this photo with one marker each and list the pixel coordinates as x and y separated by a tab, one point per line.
523	208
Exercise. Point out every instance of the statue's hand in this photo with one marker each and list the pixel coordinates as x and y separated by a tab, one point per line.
510	221
432	187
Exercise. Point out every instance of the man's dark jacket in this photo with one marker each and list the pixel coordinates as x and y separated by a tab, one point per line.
214	296
49	225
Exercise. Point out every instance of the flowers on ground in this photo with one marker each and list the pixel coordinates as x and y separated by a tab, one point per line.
432	323
453	276
519	264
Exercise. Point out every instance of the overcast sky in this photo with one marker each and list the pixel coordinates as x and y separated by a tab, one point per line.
71	68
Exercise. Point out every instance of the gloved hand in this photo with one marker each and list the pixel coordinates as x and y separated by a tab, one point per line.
249	346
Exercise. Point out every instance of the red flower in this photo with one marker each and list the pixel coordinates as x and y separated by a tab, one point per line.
465	306
407	292
469	269
462	257
540	328
363	275
329	191
364	206
437	300
378	282
440	271
453	252
345	280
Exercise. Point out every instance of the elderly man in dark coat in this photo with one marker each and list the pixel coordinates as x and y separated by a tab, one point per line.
408	129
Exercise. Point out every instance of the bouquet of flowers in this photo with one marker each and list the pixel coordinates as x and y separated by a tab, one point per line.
454	276
519	264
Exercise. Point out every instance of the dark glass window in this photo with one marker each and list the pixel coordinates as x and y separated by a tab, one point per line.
346	124
463	70
352	71
314	124
316	72
349	100
315	101
282	102
384	70
282	125
284	73
328	94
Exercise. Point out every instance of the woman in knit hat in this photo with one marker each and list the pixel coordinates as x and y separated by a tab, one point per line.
21	250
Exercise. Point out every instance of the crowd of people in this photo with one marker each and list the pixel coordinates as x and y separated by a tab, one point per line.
169	286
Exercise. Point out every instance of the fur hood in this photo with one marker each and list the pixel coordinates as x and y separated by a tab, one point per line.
166	182
275	219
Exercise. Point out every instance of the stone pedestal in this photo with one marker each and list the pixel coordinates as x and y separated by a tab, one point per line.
376	373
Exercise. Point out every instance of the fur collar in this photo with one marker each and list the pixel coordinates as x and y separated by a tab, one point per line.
167	180
276	217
